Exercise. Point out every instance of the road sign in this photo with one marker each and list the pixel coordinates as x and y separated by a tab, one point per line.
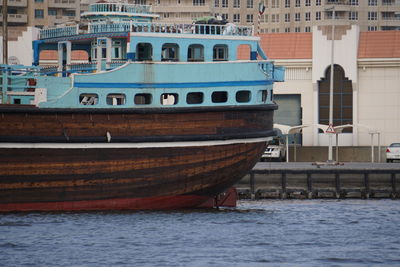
330	129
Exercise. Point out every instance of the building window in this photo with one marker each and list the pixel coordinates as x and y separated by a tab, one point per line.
297	3
52	12
236	18
275	18
307	29
287	3
372	2
116	99
372	28
275	4
198	2
249	18
354	2
264	18
297	17
216	3
249	3
317	2
236	3
353	15
308	3
342	98
372	15
224	3
225	16
220	52
38	1
318	15
287	17
287	29
307	16
39	13
297	29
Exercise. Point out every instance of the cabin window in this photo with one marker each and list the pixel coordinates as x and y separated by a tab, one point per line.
116	99
243	96
143	99
220	52
195	98
196	52
263	95
169	99
17	101
170	52
144	51
88	99
219	97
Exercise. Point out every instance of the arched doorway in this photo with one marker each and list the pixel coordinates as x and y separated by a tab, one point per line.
342	98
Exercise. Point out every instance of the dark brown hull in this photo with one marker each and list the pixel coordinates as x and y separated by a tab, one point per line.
125	159
120	178
134	125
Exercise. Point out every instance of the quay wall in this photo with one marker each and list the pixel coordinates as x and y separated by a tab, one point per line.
311	180
345	154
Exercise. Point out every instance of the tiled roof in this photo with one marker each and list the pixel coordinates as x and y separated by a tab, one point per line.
287	45
380	44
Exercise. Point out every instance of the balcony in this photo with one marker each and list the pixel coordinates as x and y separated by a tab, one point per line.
16	3
15	18
182	9
70	4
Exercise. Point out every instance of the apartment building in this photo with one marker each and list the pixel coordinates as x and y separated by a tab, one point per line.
301	15
41	13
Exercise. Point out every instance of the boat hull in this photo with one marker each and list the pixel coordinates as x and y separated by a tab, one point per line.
64	177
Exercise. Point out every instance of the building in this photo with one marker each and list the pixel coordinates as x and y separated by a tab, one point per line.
41	13
366	83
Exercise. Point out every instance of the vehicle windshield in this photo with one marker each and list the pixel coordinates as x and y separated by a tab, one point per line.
274	142
395	145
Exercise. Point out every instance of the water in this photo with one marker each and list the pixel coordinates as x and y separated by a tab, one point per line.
261	233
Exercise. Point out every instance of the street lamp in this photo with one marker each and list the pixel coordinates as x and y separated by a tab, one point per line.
330	152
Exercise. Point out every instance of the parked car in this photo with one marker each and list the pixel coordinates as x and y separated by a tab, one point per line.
276	150
393	152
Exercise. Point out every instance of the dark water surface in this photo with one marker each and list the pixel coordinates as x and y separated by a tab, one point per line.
257	233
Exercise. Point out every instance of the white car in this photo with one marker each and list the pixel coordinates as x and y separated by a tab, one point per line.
276	150
393	152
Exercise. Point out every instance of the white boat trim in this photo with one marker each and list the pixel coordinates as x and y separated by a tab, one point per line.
132	145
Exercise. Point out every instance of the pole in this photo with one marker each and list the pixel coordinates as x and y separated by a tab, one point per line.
331	87
372	147
337	148
5	31
379	147
287	147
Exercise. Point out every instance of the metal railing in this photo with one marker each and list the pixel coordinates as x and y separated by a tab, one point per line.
120	8
58	32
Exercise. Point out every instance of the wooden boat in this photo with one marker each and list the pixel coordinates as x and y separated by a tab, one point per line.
161	117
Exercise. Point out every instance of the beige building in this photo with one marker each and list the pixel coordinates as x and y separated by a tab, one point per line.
41	13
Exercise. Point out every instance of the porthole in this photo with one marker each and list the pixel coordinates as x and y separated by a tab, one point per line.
143	99
219	97
116	99
169	99
88	99
195	98
243	96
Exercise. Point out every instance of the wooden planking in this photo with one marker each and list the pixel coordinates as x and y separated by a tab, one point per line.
204	171
66	126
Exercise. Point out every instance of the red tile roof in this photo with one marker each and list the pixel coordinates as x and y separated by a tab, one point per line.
53	55
287	45
380	44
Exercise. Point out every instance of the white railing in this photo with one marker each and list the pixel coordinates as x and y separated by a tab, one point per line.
58	32
120	8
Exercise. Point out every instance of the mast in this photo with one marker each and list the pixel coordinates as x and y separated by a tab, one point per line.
5	31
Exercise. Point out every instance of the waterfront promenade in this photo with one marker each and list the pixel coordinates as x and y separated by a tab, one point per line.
320	180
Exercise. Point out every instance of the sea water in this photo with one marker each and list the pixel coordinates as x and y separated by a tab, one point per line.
256	233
